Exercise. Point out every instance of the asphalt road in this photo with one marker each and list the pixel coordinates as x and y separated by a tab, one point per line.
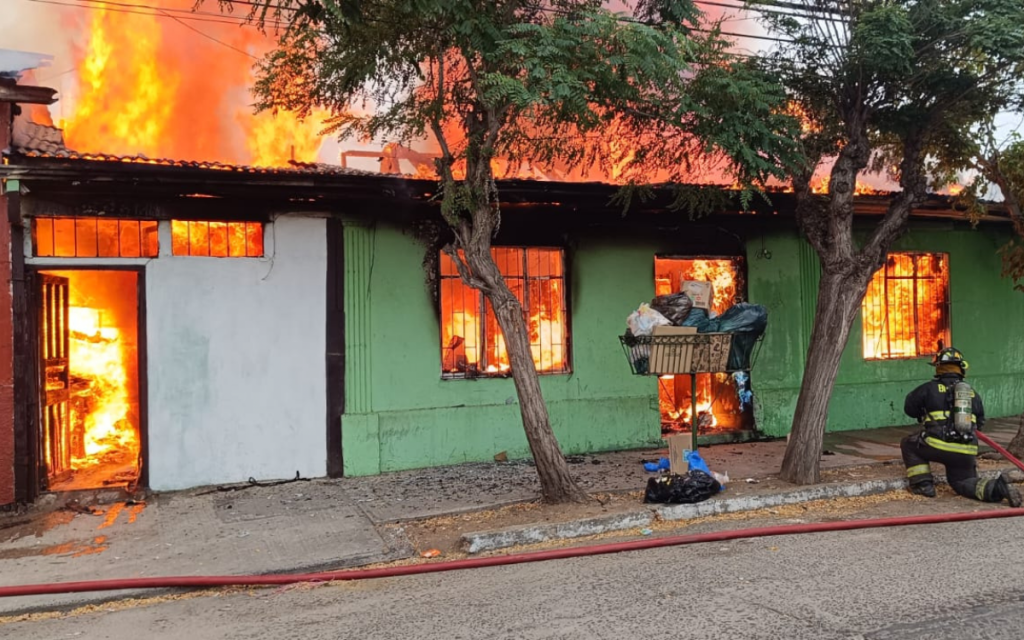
937	582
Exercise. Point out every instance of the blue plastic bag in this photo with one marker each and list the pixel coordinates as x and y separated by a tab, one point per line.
696	462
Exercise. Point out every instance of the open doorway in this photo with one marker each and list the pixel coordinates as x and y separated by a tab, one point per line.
720	410
91	419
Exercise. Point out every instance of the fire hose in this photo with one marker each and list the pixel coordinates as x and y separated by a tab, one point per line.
202	582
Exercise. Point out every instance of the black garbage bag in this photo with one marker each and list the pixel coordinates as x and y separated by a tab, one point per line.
699	318
747	322
695	486
674	306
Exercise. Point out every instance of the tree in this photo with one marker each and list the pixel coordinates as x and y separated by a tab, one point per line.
538	80
893	85
1003	168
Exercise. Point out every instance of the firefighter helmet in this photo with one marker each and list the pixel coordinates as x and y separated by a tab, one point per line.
950	355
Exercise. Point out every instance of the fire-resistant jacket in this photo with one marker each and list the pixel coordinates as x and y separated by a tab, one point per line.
929	405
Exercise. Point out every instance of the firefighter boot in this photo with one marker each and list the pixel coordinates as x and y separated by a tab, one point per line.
926	489
1006	491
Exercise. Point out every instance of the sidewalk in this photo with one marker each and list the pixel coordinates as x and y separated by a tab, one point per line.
327	524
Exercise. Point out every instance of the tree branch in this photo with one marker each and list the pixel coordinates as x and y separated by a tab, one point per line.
463	269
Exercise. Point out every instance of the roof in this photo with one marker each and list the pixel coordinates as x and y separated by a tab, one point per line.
39	152
34	140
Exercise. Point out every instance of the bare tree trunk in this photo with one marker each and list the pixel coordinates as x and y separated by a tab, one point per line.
556	483
839	298
1016	446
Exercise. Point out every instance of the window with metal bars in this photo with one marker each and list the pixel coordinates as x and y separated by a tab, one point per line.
472	344
217	239
67	237
906	311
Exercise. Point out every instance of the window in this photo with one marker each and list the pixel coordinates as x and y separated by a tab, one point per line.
906	309
217	239
94	238
471	341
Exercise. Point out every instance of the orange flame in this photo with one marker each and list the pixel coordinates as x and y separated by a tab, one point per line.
148	85
821	187
474	346
717	405
904	312
96	353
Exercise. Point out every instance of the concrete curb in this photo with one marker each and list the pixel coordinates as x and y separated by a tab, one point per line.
531	534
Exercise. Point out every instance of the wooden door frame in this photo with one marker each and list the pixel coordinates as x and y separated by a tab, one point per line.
142	363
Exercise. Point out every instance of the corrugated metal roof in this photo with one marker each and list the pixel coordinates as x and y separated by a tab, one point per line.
33	140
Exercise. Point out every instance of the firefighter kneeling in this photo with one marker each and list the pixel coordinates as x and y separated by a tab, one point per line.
950	412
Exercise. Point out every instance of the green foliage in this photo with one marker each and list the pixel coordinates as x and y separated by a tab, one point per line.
902	86
562	83
1003	168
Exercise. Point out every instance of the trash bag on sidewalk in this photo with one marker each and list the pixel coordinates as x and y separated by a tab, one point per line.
674	306
695	462
695	486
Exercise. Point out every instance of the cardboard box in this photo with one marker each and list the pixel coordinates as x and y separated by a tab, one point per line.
702	293
712	354
677	444
671	358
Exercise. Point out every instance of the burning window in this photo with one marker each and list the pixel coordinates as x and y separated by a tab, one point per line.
471	341
217	239
906	308
94	238
719	404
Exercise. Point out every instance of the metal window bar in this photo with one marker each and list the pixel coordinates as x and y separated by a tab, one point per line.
914	306
526	286
217	239
64	237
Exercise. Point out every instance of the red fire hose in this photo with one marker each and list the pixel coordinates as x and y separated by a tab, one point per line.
198	582
1003	452
476	563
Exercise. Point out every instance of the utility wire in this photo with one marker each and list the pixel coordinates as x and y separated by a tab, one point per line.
146	10
209	37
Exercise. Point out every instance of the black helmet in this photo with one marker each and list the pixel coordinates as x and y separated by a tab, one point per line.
950	355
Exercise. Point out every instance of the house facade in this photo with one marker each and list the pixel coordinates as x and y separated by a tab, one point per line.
176	324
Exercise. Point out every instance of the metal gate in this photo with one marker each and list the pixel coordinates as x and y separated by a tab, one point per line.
54	378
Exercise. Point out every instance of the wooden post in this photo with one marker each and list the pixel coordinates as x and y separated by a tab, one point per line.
694	418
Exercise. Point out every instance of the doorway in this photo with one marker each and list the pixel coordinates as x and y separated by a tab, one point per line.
91	417
721	409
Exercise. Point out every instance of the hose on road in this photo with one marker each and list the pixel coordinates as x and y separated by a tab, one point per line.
202	582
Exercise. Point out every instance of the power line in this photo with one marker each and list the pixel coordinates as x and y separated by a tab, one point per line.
156	12
209	37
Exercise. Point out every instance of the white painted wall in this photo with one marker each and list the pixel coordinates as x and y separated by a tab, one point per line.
237	385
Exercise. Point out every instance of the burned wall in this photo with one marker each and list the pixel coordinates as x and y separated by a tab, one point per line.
7	489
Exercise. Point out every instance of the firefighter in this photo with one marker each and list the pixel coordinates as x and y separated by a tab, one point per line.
950	412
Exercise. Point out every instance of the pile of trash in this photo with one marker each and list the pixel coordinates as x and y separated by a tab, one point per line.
697	485
747	322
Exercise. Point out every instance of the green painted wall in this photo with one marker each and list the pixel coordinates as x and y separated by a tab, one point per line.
987	325
400	414
405	416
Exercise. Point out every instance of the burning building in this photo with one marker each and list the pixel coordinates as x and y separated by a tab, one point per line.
172	323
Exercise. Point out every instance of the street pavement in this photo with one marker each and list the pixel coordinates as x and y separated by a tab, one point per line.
935	582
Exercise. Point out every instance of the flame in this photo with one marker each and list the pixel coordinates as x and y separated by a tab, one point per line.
717	405
904	312
140	89
466	351
821	187
96	354
807	123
